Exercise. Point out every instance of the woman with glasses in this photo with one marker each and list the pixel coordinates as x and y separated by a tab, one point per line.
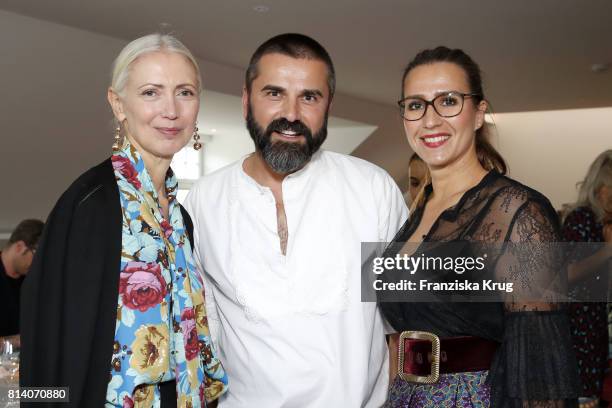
512	349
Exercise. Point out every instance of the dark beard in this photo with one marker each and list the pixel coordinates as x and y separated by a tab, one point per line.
285	157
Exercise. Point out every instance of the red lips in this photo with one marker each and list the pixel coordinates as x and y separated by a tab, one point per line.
169	131
435	139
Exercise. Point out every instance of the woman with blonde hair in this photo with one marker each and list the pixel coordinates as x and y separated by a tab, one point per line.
113	307
418	177
590	220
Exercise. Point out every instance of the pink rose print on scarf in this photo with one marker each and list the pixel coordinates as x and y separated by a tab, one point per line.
190	334
142	285
124	166
127	402
202	392
167	228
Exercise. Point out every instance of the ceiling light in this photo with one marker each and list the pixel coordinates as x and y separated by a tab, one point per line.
600	67
213	130
261	8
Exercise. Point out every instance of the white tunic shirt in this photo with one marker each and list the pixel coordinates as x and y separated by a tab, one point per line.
291	330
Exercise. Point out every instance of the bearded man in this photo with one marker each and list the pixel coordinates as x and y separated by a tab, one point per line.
278	237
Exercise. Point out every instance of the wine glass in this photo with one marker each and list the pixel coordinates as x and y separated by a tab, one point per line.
9	360
9	369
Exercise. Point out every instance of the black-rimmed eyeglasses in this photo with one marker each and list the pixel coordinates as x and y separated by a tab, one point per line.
447	105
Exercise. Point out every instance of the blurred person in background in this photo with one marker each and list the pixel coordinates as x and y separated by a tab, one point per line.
113	307
418	177
590	220
16	258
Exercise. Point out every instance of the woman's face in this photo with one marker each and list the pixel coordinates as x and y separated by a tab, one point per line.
605	197
417	173
440	141
159	104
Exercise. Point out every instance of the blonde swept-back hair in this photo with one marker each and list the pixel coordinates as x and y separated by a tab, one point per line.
598	176
420	197
144	45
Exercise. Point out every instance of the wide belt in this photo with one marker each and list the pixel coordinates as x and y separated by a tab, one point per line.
423	356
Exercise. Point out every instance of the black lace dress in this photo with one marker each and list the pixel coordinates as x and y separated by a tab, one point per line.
534	365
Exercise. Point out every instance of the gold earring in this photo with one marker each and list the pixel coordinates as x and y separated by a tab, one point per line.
196	138
117	143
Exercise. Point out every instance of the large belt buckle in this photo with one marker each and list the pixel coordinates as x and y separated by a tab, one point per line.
434	375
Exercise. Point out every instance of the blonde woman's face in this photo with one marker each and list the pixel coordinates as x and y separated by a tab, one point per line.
417	174
159	104
441	141
605	197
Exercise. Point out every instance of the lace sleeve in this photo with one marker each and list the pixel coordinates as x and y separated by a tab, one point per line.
535	364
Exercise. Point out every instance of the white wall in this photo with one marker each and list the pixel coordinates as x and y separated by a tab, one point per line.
552	150
226	139
54	118
53	114
55	122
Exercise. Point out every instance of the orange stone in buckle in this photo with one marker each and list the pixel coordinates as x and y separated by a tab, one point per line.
434	375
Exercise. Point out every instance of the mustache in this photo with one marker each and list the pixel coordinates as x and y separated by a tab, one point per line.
285	157
282	125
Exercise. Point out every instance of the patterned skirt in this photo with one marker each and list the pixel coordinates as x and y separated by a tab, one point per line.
452	390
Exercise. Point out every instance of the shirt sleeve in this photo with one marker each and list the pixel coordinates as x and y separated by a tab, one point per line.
535	364
193	208
392	210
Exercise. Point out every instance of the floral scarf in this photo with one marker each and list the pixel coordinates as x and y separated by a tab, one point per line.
162	330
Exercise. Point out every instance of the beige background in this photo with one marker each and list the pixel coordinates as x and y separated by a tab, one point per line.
55	121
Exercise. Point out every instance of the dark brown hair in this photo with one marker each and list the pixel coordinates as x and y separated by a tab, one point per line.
27	231
295	46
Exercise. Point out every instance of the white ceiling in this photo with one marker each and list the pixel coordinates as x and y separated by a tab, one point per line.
536	55
551	151
56	122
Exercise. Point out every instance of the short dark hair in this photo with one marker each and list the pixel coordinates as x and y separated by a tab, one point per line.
487	155
455	56
295	46
27	231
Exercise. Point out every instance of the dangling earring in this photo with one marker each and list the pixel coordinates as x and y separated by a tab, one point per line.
196	138
117	143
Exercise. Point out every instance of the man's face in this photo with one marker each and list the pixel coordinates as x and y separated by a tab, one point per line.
286	110
23	258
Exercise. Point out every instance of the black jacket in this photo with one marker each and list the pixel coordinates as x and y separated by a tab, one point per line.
69	298
9	302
